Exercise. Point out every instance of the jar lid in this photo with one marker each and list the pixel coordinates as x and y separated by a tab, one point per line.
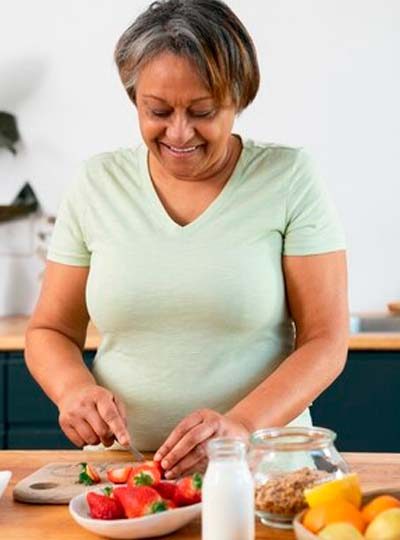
288	439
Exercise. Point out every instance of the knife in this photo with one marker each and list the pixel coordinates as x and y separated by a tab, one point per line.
138	456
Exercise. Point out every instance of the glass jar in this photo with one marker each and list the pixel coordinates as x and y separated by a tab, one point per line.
285	461
227	492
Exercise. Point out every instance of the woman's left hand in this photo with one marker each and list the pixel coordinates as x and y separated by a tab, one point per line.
184	451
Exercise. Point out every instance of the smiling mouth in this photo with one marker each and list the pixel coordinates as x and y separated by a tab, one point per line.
188	150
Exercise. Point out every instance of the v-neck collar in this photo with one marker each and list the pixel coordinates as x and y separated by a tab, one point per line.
162	216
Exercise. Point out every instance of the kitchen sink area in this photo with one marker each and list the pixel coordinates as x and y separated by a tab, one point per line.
374	324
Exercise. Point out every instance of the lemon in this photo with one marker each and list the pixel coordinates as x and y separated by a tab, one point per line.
386	526
347	488
340	531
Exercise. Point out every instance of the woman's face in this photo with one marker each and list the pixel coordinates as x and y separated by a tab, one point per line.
181	124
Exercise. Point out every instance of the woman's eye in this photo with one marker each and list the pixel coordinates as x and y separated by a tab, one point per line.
194	114
160	114
203	114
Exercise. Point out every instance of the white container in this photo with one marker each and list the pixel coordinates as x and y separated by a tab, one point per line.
228	492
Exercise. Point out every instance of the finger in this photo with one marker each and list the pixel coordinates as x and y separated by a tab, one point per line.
72	435
191	441
100	428
198	467
86	432
178	432
109	412
191	462
121	408
122	411
108	441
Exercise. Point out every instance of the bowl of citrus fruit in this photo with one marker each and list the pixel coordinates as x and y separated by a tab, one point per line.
337	510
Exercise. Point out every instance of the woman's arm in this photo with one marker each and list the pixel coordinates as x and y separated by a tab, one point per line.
316	287
55	338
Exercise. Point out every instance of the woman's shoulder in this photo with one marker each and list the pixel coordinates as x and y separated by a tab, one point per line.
104	171
272	149
259	153
116	160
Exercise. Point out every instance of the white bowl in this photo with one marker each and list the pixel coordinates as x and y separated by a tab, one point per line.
4	479
144	527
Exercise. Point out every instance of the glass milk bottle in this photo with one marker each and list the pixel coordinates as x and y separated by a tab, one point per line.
228	492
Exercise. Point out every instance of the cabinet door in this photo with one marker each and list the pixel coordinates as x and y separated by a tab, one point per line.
32	418
3	359
361	405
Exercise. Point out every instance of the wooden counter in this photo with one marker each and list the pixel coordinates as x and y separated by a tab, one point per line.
37	522
12	330
12	334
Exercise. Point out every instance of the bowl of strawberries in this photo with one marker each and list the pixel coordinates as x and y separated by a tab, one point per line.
138	503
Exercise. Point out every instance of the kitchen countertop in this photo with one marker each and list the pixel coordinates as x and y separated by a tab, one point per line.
20	521
12	330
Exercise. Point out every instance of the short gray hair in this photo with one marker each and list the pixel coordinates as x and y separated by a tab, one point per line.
207	32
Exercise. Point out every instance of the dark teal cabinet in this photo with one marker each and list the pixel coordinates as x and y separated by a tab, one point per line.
30	419
2	400
362	404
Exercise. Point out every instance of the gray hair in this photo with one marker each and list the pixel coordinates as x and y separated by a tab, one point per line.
206	32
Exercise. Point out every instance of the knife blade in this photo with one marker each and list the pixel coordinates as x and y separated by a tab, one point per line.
136	453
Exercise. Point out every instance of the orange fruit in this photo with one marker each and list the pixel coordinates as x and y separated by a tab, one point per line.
343	511
378	505
314	518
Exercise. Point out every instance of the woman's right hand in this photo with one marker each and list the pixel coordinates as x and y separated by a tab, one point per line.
90	414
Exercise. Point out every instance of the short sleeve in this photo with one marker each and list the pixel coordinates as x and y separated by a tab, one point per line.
68	244
312	222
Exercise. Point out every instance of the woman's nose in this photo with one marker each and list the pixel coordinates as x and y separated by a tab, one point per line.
179	130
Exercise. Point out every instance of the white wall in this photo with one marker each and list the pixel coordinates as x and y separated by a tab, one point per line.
330	81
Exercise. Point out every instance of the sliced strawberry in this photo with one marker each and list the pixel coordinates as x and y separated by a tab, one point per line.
119	475
167	490
144	475
139	501
88	475
189	490
104	507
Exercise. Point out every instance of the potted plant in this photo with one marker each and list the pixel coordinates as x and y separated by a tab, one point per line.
25	201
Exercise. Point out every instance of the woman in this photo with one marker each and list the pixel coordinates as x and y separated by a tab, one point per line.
193	254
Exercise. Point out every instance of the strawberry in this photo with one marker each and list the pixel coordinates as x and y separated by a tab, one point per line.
139	501
103	506
167	490
144	475
88	475
189	490
157	465
119	475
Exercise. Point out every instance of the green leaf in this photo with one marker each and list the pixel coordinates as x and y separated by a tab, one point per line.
159	506
84	478
143	479
108	491
9	134
197	480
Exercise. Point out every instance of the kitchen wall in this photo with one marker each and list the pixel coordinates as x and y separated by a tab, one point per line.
330	82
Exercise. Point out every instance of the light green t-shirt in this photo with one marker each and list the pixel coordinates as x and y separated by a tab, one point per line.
191	316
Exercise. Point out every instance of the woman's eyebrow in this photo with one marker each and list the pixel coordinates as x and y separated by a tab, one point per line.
164	101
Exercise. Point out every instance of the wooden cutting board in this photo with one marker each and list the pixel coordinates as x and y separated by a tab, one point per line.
57	483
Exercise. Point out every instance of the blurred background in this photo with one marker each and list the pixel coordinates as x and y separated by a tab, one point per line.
330	82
